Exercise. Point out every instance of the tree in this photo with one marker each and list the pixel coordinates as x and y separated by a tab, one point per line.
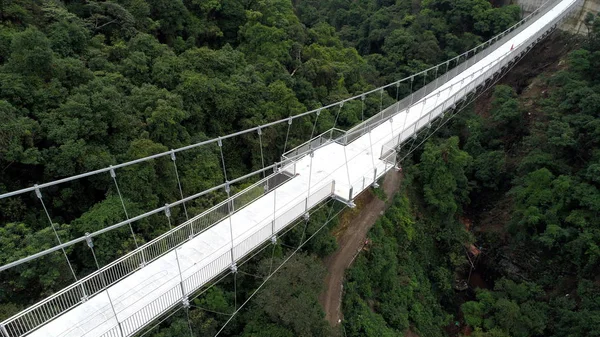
40	277
290	298
31	54
442	171
512	309
17	137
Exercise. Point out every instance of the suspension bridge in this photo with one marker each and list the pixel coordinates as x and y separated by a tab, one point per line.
135	291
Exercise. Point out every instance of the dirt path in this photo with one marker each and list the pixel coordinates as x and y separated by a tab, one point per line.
354	226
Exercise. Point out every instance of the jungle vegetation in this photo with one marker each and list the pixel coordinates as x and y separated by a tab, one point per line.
85	84
523	169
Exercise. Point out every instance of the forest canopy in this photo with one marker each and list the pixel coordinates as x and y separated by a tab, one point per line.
88	84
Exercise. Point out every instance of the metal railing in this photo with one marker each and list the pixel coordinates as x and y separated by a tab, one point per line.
261	233
468	58
80	291
476	79
218	140
326	137
95	283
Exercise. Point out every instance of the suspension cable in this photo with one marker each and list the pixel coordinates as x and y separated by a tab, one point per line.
381	103
262	157
362	113
114	178
168	215
287	134
277	269
90	244
272	257
338	115
184	298
306	220
38	193
220	144
212	311
436	78
234	292
412	79
230	209
314	127
187	311
174	160
249	274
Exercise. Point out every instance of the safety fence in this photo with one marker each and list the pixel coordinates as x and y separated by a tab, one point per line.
475	80
441	77
257	236
79	292
85	288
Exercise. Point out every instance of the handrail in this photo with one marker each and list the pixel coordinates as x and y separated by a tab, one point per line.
353	131
420	123
181	201
254	129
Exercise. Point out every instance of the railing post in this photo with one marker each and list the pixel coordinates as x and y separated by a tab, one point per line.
3	331
397	166
312	155
230	209
375	184
350	202
274	210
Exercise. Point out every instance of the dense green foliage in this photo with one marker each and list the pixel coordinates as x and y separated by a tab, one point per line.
531	161
87	84
400	37
406	278
554	192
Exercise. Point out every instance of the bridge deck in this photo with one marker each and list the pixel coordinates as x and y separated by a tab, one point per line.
143	295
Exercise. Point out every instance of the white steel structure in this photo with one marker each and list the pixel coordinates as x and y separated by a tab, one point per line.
129	294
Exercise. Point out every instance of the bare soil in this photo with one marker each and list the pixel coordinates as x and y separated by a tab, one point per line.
351	236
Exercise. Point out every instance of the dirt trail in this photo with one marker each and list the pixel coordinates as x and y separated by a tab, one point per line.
354	226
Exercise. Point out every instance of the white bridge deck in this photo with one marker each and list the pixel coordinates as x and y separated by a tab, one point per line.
145	294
